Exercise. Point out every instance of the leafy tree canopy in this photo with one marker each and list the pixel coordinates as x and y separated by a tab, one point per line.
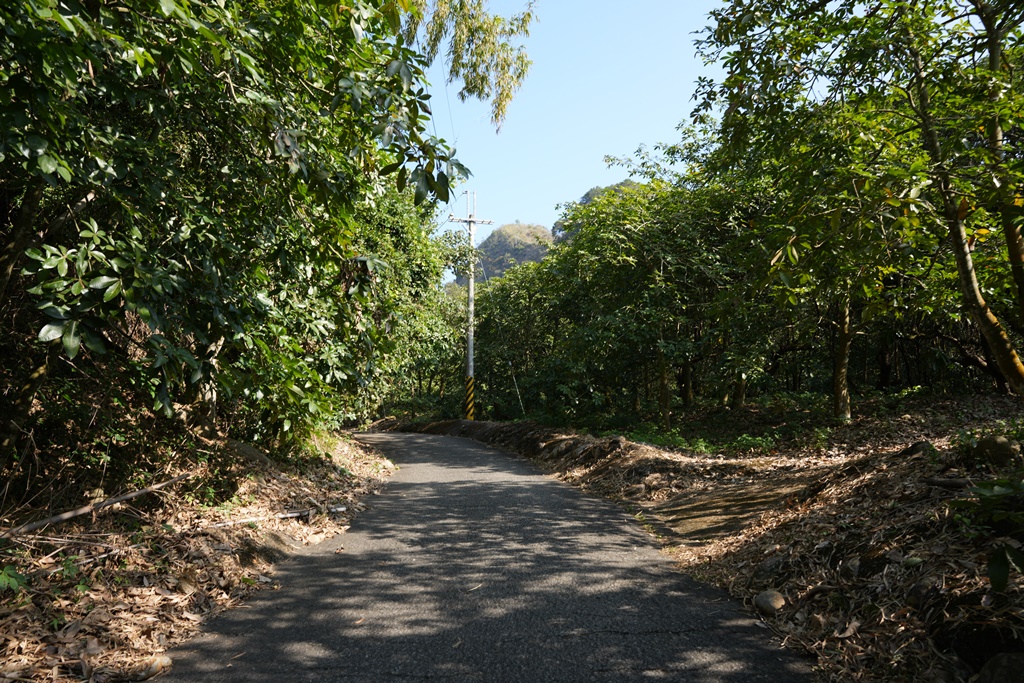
210	197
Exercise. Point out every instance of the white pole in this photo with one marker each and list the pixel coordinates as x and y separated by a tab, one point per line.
472	286
471	221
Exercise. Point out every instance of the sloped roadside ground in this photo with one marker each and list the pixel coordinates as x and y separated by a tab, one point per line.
101	597
873	539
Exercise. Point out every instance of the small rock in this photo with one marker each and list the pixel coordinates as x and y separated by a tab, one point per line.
772	570
154	666
996	450
849	569
1006	667
769	602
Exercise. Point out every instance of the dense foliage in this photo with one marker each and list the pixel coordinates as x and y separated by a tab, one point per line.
846	217
216	212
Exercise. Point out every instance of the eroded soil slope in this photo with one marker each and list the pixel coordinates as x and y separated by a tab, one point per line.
101	597
857	527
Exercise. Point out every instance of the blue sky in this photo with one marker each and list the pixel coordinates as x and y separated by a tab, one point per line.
606	78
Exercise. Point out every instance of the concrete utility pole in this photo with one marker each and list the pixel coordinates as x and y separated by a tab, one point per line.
471	220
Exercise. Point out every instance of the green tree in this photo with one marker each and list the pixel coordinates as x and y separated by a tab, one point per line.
181	191
482	48
932	72
604	326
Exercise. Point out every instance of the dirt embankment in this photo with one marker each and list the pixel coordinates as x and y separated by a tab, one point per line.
102	596
872	566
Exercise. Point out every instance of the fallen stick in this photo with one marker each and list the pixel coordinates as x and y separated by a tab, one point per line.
948	483
283	515
92	507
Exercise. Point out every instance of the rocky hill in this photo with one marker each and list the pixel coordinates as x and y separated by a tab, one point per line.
510	244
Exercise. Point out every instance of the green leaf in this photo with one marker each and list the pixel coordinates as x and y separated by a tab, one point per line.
443	187
422	189
1016	557
11	580
36	145
167	7
394	17
112	291
47	164
51	331
94	342
102	281
72	339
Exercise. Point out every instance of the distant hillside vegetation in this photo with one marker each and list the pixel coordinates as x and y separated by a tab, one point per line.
510	244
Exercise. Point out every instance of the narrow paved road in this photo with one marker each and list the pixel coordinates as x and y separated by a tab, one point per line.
473	566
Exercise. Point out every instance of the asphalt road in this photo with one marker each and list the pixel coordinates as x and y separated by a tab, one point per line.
474	566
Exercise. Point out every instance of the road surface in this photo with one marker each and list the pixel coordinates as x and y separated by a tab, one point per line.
474	566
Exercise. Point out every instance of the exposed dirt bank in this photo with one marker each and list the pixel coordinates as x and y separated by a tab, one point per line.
855	533
102	596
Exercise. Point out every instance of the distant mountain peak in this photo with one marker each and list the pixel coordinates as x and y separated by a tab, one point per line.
510	244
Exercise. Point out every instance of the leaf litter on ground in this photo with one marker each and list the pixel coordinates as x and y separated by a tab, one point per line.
856	526
102	597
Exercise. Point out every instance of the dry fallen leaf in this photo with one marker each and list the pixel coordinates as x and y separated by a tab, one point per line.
850	630
166	576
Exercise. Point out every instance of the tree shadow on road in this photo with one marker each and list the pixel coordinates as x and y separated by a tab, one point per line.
483	569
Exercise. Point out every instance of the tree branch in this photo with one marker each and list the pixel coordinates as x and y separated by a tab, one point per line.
93	507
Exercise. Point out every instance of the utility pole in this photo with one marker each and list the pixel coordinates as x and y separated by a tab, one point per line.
471	220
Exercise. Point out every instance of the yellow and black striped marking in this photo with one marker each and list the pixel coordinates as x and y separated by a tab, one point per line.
470	398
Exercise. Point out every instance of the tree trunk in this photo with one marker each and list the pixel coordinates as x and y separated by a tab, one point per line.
739	391
841	363
1003	191
664	397
21	233
884	358
685	380
207	421
19	412
954	212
